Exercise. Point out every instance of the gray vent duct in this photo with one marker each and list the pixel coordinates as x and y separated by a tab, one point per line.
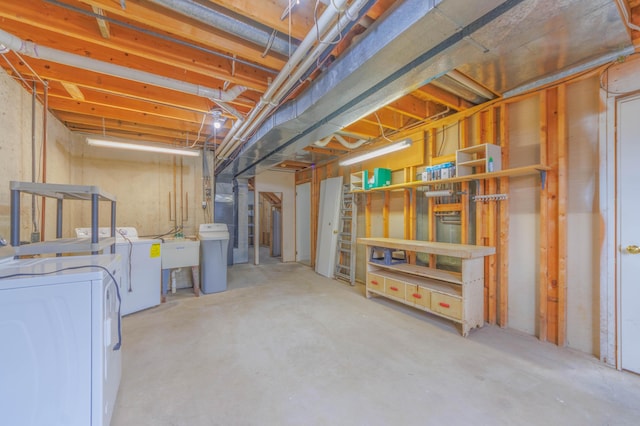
502	44
11	42
232	24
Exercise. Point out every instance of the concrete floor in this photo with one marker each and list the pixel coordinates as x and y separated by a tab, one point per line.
285	346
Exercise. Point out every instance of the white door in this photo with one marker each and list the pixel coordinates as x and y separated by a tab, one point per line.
629	231
329	213
303	222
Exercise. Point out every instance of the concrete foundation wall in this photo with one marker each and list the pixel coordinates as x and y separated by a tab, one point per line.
141	182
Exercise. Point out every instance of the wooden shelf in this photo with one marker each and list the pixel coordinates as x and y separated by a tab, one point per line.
483	157
463	251
518	171
64	245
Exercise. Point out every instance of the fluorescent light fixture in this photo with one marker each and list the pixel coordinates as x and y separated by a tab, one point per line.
405	143
140	147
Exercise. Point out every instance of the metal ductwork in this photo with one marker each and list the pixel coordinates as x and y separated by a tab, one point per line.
502	44
232	23
11	42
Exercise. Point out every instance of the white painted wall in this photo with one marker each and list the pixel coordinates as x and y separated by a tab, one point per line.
524	226
285	183
583	219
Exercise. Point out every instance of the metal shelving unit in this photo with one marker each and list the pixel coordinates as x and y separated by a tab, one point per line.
62	192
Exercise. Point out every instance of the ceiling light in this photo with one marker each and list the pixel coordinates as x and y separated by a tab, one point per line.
141	147
406	143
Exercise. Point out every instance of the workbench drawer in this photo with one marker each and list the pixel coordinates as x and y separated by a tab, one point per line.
445	304
394	288
417	295
375	282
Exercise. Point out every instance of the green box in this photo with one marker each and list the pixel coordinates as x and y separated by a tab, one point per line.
380	178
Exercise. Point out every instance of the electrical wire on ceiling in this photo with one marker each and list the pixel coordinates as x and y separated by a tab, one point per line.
604	75
18	75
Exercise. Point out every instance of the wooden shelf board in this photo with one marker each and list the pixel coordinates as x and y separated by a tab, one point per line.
518	171
422	271
64	245
472	163
463	251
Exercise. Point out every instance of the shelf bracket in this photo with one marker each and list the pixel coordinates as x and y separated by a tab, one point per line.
543	178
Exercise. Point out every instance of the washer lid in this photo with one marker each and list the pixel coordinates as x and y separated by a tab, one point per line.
123	233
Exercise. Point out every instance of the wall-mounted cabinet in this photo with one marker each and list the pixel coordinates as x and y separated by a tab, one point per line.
457	296
358	181
484	158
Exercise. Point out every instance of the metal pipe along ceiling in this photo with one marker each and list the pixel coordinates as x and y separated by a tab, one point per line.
289	75
11	42
234	25
229	144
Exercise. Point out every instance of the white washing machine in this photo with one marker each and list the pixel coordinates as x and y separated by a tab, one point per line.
60	362
141	267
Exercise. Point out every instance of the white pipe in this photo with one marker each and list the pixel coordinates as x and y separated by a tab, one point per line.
625	13
309	61
324	142
258	115
343	141
11	42
307	43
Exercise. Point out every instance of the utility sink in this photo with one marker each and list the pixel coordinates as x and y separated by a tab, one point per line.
180	252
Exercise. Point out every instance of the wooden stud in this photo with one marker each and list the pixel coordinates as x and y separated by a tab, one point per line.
503	228
464	211
552	215
562	215
490	224
544	238
367	215
385	214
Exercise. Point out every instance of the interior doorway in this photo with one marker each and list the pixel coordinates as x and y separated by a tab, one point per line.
628	232
269	238
303	223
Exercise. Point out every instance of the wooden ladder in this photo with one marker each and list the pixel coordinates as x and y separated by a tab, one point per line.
346	242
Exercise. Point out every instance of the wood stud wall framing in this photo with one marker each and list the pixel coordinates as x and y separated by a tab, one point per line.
491	124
